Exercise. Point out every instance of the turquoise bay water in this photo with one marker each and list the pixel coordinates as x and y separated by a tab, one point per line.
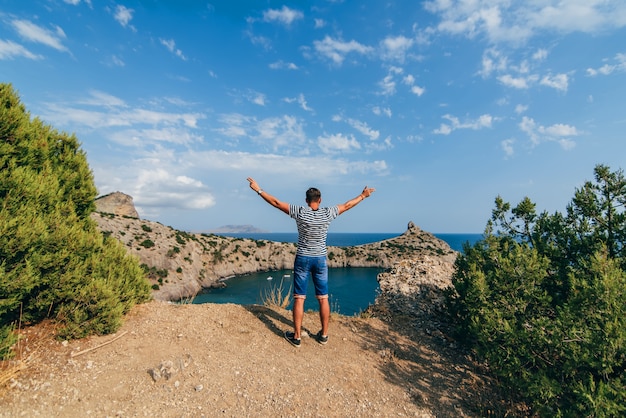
352	290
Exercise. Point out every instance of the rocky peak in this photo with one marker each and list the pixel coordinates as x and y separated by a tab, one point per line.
117	203
412	229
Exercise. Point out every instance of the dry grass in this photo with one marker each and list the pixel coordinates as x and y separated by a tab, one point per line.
26	350
276	296
9	369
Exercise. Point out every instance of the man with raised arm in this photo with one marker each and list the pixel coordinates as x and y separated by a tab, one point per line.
312	221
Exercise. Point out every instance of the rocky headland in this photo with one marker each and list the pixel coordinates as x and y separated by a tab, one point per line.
180	264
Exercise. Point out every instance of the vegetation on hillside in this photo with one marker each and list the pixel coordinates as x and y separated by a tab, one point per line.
54	263
542	298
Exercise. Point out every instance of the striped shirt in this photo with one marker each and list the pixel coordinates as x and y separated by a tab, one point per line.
312	228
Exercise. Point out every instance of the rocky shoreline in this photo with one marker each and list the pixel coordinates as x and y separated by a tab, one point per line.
181	264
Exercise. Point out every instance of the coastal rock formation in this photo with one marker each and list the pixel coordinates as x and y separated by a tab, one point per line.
117	203
181	264
414	288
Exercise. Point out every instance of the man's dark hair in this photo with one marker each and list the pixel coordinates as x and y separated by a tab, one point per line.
313	195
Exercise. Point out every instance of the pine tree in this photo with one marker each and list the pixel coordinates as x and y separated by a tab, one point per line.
53	260
542	298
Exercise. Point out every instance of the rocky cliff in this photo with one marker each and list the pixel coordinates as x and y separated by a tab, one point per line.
181	264
117	203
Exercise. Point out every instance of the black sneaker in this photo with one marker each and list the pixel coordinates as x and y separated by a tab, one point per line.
289	336
322	339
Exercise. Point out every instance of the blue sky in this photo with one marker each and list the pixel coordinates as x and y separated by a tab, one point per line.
440	105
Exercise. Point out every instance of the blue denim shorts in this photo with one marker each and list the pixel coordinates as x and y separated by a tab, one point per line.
317	268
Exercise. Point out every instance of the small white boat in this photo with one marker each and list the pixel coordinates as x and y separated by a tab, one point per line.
270	278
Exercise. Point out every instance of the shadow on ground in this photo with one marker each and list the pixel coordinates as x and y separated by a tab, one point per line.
419	356
416	354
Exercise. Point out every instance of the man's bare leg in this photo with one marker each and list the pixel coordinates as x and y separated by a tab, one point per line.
298	314
324	314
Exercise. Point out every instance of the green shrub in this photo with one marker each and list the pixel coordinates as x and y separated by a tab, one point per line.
542	298
147	243
54	262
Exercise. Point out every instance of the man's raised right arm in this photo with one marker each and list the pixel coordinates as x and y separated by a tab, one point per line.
283	206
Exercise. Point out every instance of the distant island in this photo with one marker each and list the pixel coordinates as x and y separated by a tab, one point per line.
236	229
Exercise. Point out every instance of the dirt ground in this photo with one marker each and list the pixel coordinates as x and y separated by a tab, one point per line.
209	360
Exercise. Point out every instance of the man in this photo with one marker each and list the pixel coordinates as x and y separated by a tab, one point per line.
312	222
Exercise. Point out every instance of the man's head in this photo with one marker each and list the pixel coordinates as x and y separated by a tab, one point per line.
313	195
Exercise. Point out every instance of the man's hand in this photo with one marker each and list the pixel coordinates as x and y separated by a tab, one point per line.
283	206
253	184
367	191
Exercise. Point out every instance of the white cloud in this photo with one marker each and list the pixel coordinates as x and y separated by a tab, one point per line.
251	96
100	98
301	101
516	22
286	16
443	129
559	133
417	90
262	41
520	109
170	44
493	61
396	48
540	55
258	98
618	66
387	85
141	137
517	82
409	80
378	146
235	125
10	50
123	16
507	147
378	111
521	76
285	167
117	61
337	143
114	113
281	65
337	50
284	133
559	130
483	121
362	127
33	33
161	188
558	81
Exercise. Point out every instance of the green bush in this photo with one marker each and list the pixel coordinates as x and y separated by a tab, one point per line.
542	298
147	243
53	261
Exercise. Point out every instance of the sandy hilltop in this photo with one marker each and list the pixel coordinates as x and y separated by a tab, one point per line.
203	360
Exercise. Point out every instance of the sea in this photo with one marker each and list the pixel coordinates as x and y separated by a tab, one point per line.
351	290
